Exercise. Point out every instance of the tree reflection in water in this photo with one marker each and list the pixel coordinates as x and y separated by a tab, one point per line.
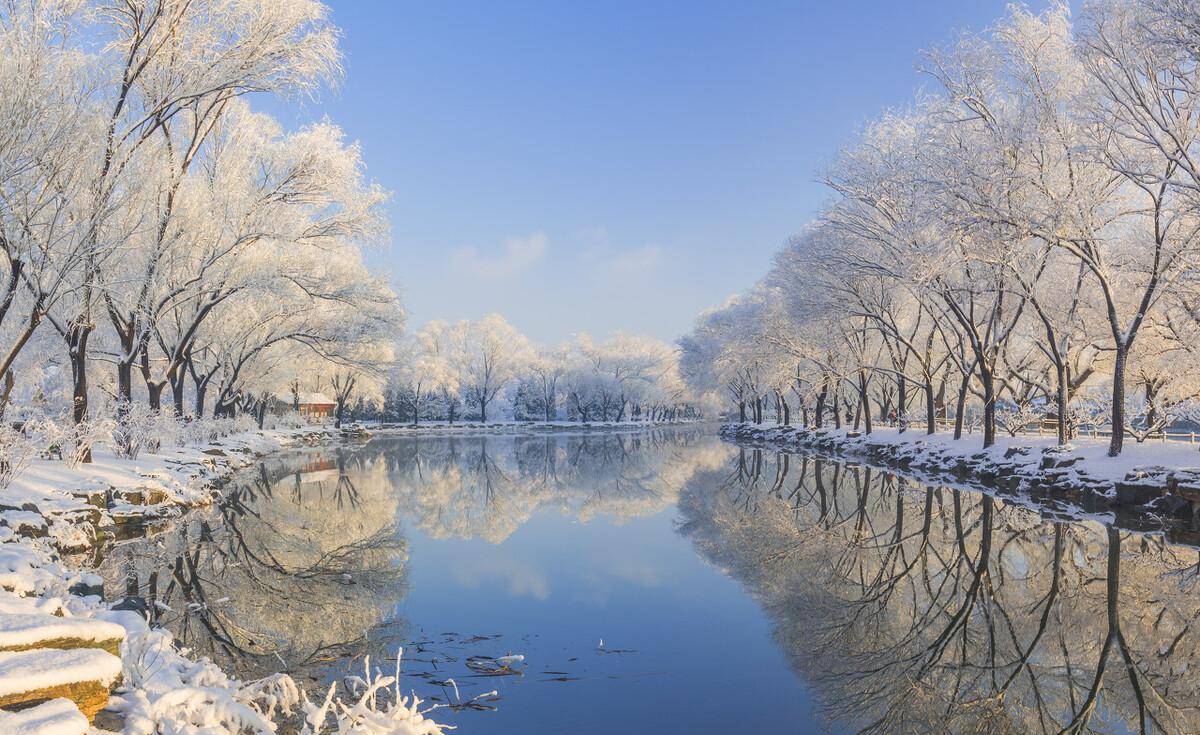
298	567
304	563
487	487
923	609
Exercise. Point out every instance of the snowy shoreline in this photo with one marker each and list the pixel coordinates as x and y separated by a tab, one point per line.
1157	482
65	649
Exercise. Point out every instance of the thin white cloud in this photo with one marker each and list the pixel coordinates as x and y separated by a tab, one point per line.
638	262
518	255
521	579
609	263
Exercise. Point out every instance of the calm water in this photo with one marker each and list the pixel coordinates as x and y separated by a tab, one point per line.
734	590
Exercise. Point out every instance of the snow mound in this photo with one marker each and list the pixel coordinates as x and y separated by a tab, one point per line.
56	717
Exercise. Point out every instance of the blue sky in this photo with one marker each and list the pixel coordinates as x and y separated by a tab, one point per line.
593	166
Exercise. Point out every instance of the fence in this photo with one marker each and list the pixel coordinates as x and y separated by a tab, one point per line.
1096	433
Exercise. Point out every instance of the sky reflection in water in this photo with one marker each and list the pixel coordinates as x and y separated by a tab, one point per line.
735	590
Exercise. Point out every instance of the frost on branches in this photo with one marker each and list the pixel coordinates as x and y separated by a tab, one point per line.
1015	249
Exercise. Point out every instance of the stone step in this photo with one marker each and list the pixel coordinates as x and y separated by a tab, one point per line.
16	604
25	631
54	717
86	676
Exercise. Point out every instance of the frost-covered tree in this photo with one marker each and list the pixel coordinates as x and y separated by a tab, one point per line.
491	354
1005	245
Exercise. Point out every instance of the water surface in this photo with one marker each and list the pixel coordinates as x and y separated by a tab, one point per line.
664	581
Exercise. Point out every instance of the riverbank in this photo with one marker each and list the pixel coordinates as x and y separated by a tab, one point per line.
1157	478
72	664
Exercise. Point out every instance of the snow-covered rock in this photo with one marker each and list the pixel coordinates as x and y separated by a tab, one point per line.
86	676
55	717
26	630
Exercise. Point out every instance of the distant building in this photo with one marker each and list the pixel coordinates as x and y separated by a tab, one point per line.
312	406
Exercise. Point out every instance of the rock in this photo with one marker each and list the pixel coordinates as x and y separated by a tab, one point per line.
54	717
26	631
88	586
109	720
26	523
1172	505
1133	492
92	496
133	603
1054	461
86	676
127	495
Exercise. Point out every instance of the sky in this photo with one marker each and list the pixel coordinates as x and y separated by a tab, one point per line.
602	166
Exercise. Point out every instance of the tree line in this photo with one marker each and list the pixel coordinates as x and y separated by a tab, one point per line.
1017	244
485	369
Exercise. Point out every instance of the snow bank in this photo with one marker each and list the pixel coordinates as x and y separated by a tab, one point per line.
1163	475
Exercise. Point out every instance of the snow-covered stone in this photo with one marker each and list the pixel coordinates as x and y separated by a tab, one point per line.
55	717
20	631
86	676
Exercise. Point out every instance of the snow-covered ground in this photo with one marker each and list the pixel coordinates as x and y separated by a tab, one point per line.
59	638
1161	475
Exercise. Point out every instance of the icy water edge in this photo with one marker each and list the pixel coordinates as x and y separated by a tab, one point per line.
665	581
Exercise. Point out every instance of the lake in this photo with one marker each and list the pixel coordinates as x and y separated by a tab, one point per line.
665	581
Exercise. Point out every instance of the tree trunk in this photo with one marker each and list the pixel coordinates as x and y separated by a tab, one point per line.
177	386
124	381
960	405
1063	399
742	412
155	389
989	406
866	401
77	341
6	392
819	418
201	390
1118	401
1151	406
930	409
901	402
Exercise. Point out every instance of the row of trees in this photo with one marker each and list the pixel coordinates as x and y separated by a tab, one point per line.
486	368
157	234
1021	242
